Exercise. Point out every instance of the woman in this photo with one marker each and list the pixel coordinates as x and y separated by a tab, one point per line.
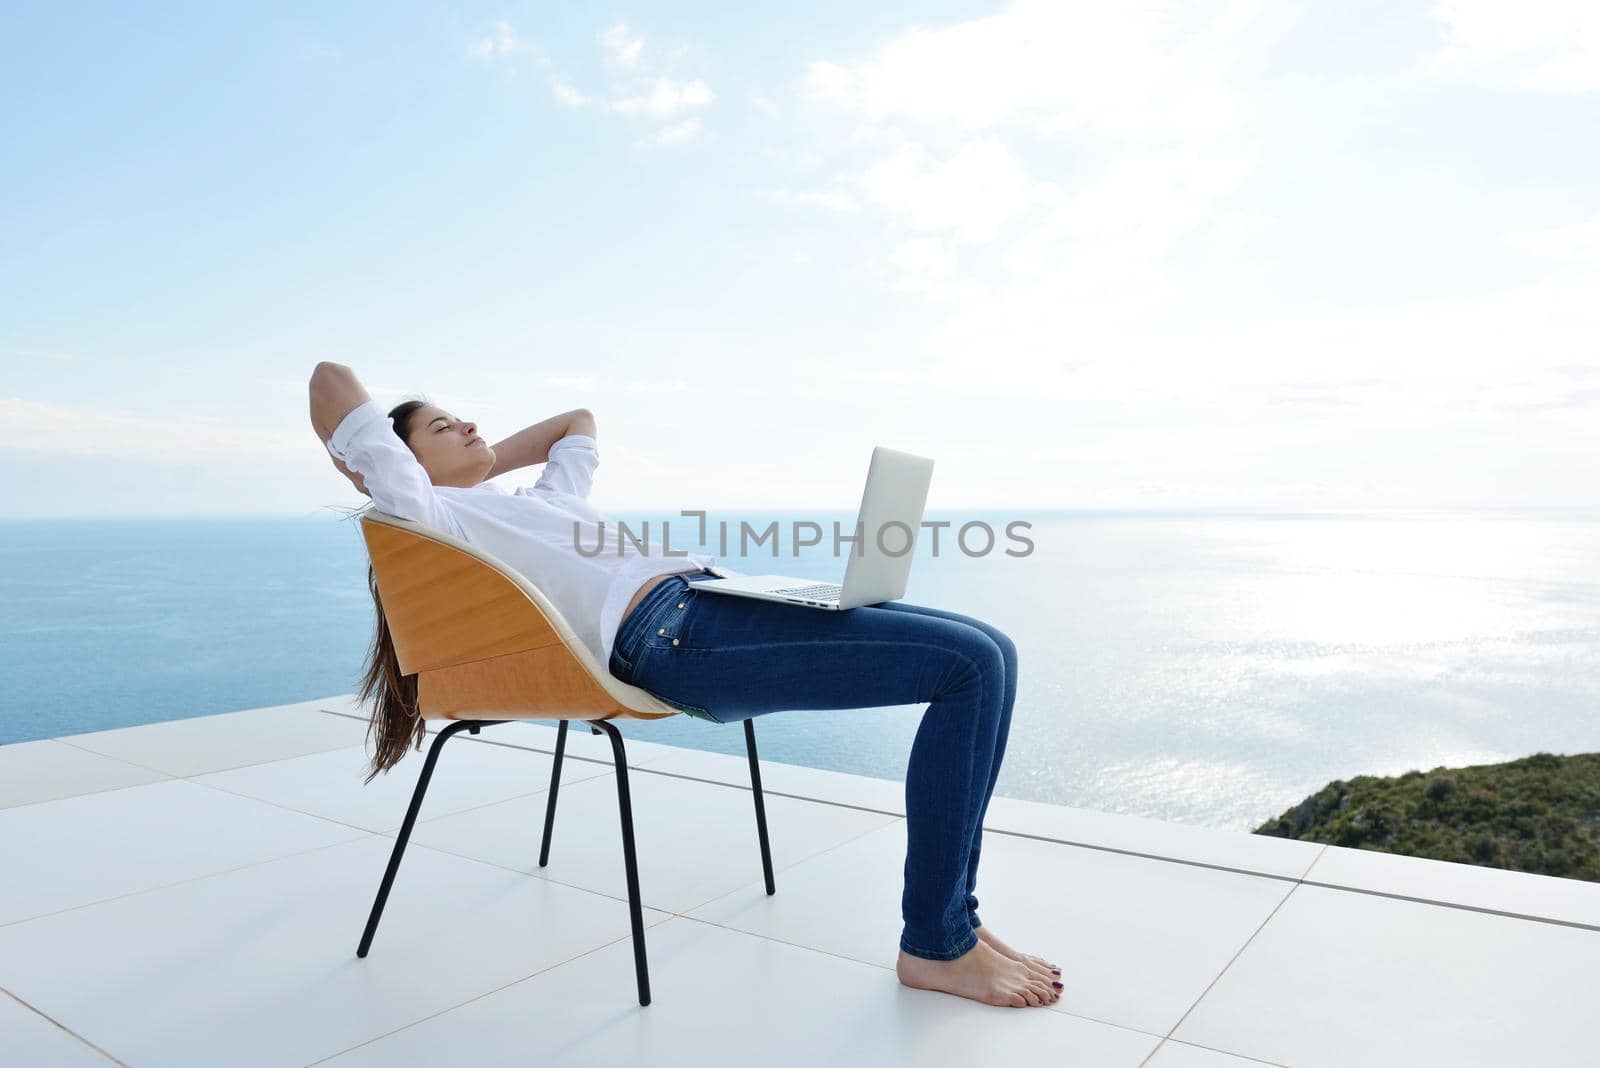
717	657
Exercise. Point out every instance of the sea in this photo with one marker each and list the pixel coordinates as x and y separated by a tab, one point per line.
1209	668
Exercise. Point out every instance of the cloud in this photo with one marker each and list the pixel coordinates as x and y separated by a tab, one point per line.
1136	71
672	134
975	117
647	90
970	195
663	99
640	90
565	93
501	40
1548	45
1061	177
621	45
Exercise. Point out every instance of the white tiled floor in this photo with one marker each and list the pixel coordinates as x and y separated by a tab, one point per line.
1123	929
213	919
736	1000
31	772
1340	978
79	850
331	784
28	1038
695	842
230	740
1496	889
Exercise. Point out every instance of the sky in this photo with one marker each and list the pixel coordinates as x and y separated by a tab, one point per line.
1278	256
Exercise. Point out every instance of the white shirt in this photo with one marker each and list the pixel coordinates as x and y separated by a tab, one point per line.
537	529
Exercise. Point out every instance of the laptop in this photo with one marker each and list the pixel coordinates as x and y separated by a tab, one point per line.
892	503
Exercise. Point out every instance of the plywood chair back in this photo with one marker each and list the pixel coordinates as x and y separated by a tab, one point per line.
484	641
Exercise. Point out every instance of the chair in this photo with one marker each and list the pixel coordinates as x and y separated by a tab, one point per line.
488	647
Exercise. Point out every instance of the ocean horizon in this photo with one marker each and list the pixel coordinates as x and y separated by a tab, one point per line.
1210	667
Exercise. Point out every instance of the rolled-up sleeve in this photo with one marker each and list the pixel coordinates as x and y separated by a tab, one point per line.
366	443
571	466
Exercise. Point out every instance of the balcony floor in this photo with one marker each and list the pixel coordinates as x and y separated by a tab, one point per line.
192	892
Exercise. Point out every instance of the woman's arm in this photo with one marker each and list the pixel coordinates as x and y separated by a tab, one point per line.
335	393
361	439
531	445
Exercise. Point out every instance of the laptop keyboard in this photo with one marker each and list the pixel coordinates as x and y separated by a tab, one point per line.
822	591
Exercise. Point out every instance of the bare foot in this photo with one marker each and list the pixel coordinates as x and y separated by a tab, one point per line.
982	974
1038	965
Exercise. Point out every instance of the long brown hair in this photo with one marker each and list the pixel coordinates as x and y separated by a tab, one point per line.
396	722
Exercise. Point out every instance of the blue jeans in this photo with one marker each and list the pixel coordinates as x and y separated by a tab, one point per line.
727	658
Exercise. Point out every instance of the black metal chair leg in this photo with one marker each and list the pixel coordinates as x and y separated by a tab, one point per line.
630	861
411	818
550	802
761	807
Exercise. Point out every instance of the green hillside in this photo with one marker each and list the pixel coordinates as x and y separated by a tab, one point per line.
1538	814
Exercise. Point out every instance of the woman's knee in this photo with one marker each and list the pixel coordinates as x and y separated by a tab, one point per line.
1001	641
979	655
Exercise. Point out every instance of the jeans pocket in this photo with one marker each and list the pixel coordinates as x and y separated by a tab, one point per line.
671	627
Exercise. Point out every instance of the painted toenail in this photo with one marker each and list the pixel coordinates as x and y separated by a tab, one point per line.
1055	984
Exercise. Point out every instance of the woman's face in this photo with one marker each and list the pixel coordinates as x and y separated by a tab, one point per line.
448	448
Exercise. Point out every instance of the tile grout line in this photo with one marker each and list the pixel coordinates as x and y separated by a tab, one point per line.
1484	909
1178	1042
496	990
34	1009
191	879
386	831
210	771
1218	977
66	740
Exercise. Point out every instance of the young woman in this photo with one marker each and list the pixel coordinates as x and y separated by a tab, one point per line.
717	657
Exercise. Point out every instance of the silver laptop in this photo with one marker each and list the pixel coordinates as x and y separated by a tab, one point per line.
897	490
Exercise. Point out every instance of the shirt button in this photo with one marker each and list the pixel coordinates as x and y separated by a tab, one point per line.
674	641
663	630
680	604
